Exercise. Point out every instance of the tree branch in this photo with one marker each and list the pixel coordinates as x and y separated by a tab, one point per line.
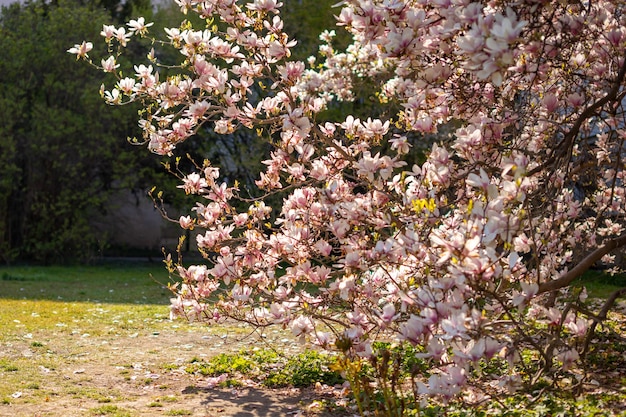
612	95
563	148
583	265
601	317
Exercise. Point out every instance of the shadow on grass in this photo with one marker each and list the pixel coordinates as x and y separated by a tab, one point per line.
119	281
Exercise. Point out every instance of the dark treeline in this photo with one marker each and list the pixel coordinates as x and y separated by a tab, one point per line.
63	152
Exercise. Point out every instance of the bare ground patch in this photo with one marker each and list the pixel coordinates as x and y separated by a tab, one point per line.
131	371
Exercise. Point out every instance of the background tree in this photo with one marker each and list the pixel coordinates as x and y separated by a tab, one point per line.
48	119
63	151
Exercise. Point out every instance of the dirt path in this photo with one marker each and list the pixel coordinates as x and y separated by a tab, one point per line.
142	375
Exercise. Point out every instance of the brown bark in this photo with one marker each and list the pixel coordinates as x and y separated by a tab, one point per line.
601	317
583	265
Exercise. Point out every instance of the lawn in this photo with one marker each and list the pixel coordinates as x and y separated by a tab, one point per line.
97	341
114	283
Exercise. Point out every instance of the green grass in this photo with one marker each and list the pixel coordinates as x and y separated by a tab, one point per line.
123	283
179	412
270	368
110	410
82	301
601	284
41	305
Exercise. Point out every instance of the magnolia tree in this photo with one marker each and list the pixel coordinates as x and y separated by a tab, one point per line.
469	257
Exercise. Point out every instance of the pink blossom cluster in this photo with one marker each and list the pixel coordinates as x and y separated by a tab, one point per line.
469	255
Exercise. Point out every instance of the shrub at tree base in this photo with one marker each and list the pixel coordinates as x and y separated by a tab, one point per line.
470	256
271	369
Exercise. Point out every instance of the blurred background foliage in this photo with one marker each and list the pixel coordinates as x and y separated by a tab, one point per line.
63	150
64	153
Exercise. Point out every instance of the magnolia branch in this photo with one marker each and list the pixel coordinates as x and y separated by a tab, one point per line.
564	148
612	96
583	265
601	317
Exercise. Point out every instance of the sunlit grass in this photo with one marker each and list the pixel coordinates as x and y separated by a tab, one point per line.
142	283
41	305
51	316
110	410
37	325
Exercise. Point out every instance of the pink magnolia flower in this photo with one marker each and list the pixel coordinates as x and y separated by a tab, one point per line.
455	326
413	329
401	144
121	36
568	358
479	181
108	32
139	26
193	183
508	28
301	327
578	327
126	85
375	128
551	102
81	50
388	314
186	222
264	5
